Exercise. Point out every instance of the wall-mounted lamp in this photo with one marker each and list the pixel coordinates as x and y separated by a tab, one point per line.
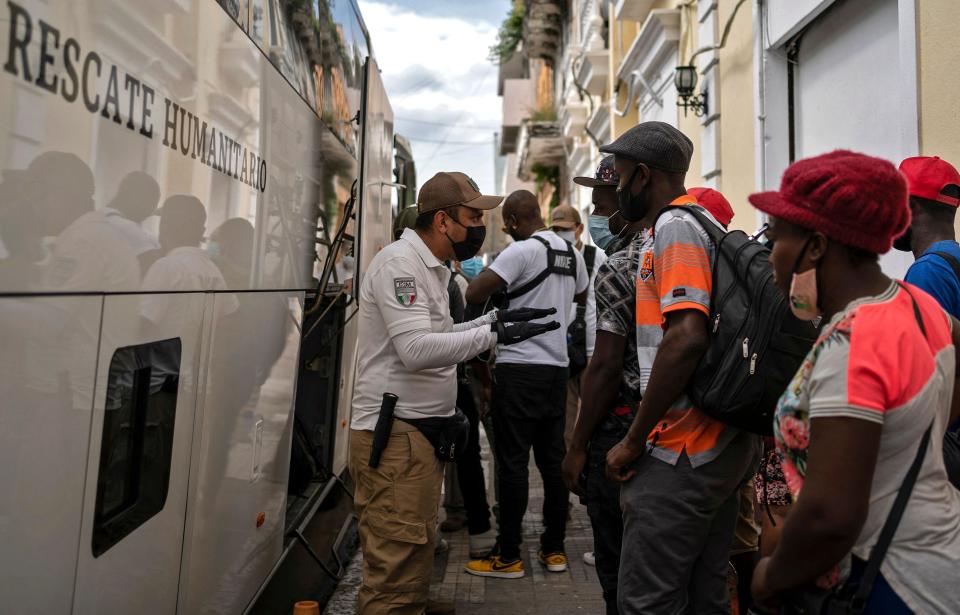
685	81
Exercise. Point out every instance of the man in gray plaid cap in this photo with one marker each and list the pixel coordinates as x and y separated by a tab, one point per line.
680	469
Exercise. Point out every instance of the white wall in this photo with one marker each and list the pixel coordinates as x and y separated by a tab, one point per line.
853	90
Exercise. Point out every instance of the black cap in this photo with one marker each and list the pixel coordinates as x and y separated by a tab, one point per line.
656	144
606	175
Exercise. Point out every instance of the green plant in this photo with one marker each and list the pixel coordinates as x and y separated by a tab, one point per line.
544	113
543	174
509	36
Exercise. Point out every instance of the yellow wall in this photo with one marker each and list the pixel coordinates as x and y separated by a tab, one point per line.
735	133
938	55
735	100
737	119
689	124
619	46
621	37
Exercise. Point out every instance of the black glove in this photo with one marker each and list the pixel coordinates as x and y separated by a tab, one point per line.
577	343
518	332
524	314
577	330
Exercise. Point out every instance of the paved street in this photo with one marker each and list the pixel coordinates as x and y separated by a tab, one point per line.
539	592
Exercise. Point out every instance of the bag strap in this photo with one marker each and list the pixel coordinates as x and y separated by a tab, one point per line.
715	233
951	260
879	551
589	256
543	275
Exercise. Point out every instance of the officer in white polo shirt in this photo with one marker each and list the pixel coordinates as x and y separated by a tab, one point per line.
409	346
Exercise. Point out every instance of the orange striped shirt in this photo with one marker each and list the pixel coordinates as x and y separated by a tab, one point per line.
675	274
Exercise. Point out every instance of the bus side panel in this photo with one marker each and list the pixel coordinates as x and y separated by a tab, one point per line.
376	228
48	358
137	570
176	91
238	482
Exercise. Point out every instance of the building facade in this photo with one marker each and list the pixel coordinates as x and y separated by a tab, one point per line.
779	81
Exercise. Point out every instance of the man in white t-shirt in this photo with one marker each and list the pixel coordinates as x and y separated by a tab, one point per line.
538	270
565	221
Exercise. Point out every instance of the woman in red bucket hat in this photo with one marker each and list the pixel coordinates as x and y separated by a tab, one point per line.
873	396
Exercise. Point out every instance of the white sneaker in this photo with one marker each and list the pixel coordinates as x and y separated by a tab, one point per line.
481	544
589	559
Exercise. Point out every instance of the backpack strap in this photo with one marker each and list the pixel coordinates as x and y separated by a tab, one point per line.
951	260
589	256
715	233
543	275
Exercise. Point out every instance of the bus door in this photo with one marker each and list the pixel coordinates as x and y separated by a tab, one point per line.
135	500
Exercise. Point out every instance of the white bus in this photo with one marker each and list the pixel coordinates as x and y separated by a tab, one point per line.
173	175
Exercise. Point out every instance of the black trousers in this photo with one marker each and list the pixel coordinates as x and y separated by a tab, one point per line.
528	407
603	506
473	486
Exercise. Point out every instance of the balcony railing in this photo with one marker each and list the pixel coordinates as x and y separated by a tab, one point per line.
652	56
632	10
593	71
541	143
573	119
599	123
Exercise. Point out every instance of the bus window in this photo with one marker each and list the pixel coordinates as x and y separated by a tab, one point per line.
233	9
137	444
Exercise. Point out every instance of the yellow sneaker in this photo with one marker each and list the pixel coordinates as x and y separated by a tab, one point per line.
555	562
494	566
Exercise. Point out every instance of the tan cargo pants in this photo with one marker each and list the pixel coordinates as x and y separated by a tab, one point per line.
397	507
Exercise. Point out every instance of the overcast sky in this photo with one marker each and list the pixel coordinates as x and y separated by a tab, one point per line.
443	90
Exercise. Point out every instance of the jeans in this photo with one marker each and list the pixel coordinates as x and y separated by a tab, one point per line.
678	524
528	406
883	599
603	506
473	486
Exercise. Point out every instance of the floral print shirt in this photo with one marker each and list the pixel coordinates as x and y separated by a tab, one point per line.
887	359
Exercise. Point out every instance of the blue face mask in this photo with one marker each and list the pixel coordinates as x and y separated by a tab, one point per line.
472	266
600	231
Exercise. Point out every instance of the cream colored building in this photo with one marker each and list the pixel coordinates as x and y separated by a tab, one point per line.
784	79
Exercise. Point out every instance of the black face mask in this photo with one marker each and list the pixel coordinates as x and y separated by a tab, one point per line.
469	247
632	207
903	242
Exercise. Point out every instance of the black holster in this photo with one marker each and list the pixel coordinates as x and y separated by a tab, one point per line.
381	433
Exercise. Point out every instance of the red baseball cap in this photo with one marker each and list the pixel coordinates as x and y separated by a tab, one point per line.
927	176
714	202
852	198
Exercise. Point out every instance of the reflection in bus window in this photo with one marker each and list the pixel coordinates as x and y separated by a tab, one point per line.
295	22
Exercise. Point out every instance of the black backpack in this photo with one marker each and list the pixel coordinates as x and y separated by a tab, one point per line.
577	332
756	343
560	262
